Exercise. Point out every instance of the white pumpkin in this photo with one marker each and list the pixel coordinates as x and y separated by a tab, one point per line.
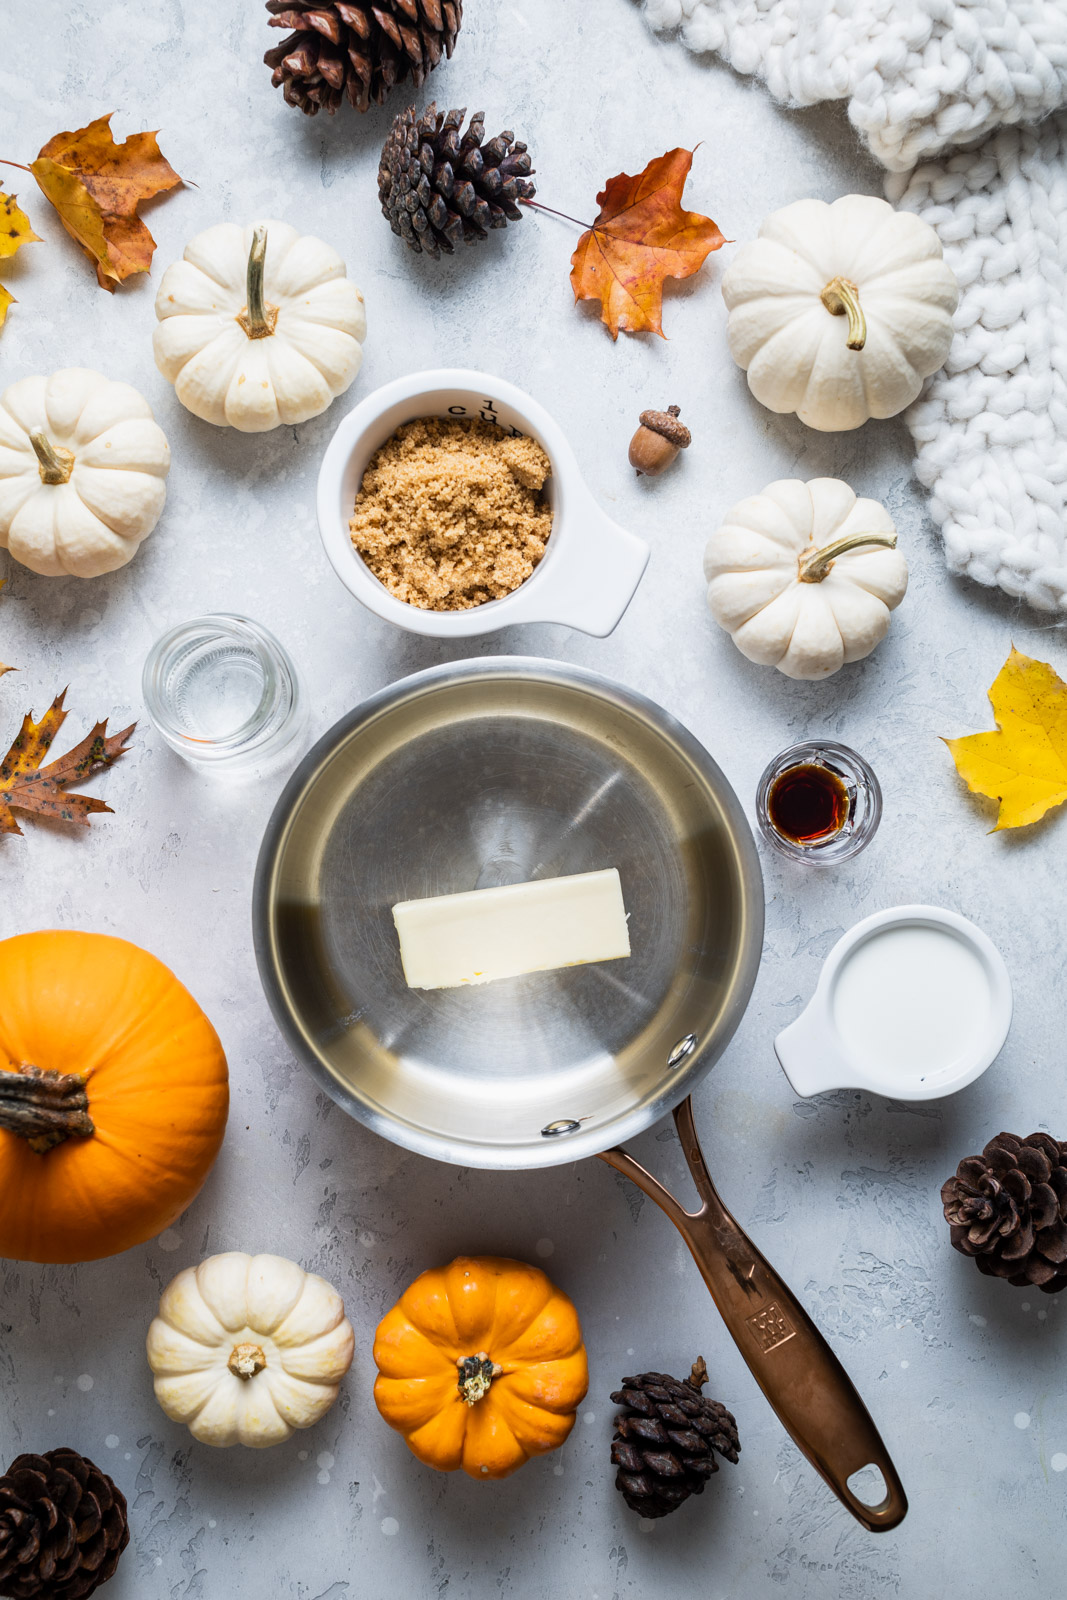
804	576
246	1349
838	312
82	470
258	326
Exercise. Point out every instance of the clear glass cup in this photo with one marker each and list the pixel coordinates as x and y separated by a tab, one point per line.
861	797
225	695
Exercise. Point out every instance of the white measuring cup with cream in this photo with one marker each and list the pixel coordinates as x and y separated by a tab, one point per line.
913	1003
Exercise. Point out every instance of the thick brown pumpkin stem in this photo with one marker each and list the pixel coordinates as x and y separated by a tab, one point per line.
246	1360
257	319
44	1108
842	299
476	1374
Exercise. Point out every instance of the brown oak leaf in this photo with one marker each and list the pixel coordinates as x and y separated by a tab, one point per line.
27	786
640	237
96	186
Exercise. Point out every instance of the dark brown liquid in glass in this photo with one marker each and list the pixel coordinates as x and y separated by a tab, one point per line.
807	804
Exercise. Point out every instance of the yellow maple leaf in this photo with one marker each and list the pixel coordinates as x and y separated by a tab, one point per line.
15	227
15	230
1023	764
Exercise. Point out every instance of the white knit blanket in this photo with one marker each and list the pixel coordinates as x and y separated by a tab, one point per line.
922	78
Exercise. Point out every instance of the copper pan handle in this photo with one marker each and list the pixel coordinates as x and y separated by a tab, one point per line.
801	1377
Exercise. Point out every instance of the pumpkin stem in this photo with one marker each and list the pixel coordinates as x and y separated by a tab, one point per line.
56	464
476	1374
257	319
842	299
815	565
44	1108
246	1360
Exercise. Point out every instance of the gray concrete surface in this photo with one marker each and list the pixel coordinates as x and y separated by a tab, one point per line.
964	1376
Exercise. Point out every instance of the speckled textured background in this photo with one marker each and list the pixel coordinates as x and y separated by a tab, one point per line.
964	1376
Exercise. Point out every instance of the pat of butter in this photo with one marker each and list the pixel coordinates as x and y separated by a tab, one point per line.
522	927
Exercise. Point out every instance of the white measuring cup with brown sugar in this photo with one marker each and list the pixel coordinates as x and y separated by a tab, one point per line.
591	566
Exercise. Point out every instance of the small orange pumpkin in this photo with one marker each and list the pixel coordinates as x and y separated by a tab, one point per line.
481	1365
113	1096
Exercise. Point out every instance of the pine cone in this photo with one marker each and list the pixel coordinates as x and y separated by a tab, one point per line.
62	1527
665	1440
358	48
1008	1209
438	187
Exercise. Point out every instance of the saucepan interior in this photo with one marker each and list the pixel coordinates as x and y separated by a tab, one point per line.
490	772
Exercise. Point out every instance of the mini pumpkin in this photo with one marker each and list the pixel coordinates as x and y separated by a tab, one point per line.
481	1365
838	312
803	576
83	470
258	326
246	1349
113	1096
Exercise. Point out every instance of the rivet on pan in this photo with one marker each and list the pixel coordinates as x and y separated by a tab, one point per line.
682	1050
553	1130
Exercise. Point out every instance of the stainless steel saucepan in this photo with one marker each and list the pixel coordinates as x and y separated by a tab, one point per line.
501	770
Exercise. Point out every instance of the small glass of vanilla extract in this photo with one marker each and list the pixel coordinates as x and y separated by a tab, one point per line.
819	803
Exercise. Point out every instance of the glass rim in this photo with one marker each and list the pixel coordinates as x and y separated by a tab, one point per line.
269	652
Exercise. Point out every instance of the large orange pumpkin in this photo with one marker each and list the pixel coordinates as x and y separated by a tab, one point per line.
481	1366
113	1096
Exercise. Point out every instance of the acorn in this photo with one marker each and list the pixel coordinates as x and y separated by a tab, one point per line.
657	442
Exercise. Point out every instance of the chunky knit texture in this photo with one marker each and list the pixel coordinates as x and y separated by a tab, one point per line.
922	77
990	429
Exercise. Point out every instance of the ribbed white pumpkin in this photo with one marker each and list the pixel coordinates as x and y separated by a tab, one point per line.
838	312
246	1349
82	473
258	326
804	575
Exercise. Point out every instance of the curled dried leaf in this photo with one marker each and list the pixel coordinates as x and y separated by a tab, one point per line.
96	186
27	786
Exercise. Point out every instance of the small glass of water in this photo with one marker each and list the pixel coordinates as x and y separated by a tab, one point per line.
224	694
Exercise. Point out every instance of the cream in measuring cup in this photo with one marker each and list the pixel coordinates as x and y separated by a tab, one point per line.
914	1003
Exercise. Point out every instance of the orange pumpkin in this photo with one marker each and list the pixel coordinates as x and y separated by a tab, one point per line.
113	1096
481	1366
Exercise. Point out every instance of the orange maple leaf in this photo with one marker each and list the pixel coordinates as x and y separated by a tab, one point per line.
27	786
96	186
640	237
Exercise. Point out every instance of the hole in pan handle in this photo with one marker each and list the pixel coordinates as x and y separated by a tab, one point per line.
803	1380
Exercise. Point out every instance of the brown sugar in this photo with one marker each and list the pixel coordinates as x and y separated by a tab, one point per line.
451	514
